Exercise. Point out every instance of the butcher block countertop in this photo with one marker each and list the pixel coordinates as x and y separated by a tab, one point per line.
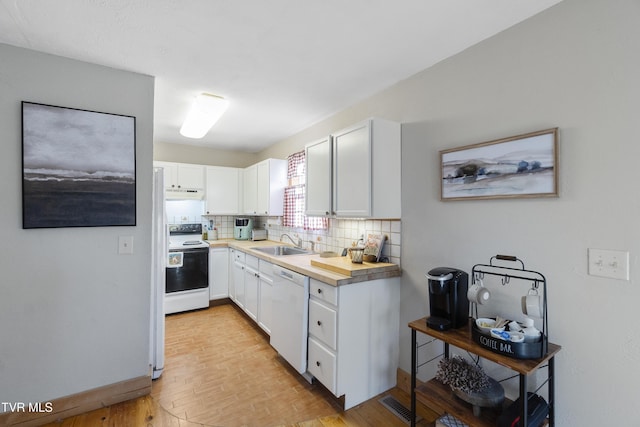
336	271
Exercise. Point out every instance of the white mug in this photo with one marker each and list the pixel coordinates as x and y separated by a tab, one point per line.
478	294
532	304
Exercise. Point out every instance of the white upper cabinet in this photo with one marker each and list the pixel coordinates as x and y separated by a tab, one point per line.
352	171
264	185
318	177
250	190
223	190
363	174
182	175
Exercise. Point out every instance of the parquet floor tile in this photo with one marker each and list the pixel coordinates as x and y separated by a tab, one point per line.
220	370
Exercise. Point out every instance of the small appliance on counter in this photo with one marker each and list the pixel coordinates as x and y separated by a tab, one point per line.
448	303
242	228
258	234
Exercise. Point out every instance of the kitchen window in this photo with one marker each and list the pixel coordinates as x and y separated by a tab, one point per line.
294	195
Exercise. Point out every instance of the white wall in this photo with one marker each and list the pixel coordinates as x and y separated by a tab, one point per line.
574	66
182	153
74	313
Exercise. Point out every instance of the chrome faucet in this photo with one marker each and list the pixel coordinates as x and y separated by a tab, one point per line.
313	245
298	245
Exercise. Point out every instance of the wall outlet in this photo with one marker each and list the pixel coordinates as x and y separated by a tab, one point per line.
125	245
608	263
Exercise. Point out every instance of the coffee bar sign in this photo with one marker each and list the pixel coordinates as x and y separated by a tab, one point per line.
517	350
497	345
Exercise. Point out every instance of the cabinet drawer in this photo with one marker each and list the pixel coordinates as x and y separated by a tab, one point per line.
323	292
266	268
239	256
252	261
322	364
322	323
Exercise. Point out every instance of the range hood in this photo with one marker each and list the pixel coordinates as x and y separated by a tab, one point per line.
184	194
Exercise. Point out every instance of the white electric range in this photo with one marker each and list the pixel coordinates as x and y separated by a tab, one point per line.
187	273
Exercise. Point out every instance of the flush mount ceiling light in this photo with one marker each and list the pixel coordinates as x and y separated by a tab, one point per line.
204	113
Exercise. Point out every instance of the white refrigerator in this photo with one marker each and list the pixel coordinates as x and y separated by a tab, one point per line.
159	252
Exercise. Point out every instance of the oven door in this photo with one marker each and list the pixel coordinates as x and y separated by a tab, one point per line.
191	273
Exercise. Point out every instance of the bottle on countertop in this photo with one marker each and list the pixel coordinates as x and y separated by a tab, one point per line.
205	233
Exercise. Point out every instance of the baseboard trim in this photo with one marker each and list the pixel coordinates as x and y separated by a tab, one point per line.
79	403
404	381
221	301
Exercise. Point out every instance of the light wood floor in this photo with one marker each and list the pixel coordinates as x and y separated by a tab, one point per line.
221	371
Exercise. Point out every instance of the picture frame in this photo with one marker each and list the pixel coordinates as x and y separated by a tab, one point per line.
515	167
78	167
373	246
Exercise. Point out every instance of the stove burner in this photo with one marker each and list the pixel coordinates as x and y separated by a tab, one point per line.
191	242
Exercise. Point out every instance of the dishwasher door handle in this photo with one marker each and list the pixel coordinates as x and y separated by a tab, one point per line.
286	275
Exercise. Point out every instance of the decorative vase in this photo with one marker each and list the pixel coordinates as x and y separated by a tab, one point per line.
489	397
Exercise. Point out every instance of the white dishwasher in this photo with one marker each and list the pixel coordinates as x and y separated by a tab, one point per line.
290	316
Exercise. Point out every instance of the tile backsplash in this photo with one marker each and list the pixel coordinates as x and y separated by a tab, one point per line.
342	233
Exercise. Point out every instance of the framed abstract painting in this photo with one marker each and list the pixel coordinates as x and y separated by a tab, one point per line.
518	166
78	168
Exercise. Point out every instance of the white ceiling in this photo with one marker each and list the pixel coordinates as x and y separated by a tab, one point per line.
283	64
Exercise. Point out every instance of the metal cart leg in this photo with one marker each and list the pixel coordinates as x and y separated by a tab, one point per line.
524	401
414	372
552	394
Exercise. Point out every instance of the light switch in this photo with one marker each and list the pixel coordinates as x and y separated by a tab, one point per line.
609	263
125	245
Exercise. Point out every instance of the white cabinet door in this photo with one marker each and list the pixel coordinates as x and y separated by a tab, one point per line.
251	292
191	176
265	292
263	188
223	190
182	175
232	287
352	171
218	273
238	283
250	193
366	170
170	173
318	178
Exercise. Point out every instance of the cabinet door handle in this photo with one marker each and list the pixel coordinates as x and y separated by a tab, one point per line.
317	363
326	213
319	323
319	290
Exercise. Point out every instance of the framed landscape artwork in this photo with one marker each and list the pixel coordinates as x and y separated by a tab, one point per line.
78	168
519	166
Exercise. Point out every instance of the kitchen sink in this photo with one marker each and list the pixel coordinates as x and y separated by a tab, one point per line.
281	250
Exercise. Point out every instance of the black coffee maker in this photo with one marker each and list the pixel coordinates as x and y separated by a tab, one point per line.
448	303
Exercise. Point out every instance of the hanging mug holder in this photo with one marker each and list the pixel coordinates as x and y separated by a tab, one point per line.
517	350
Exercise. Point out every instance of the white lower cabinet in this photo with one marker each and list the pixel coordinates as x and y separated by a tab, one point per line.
218	273
265	289
251	286
238	278
322	364
354	337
